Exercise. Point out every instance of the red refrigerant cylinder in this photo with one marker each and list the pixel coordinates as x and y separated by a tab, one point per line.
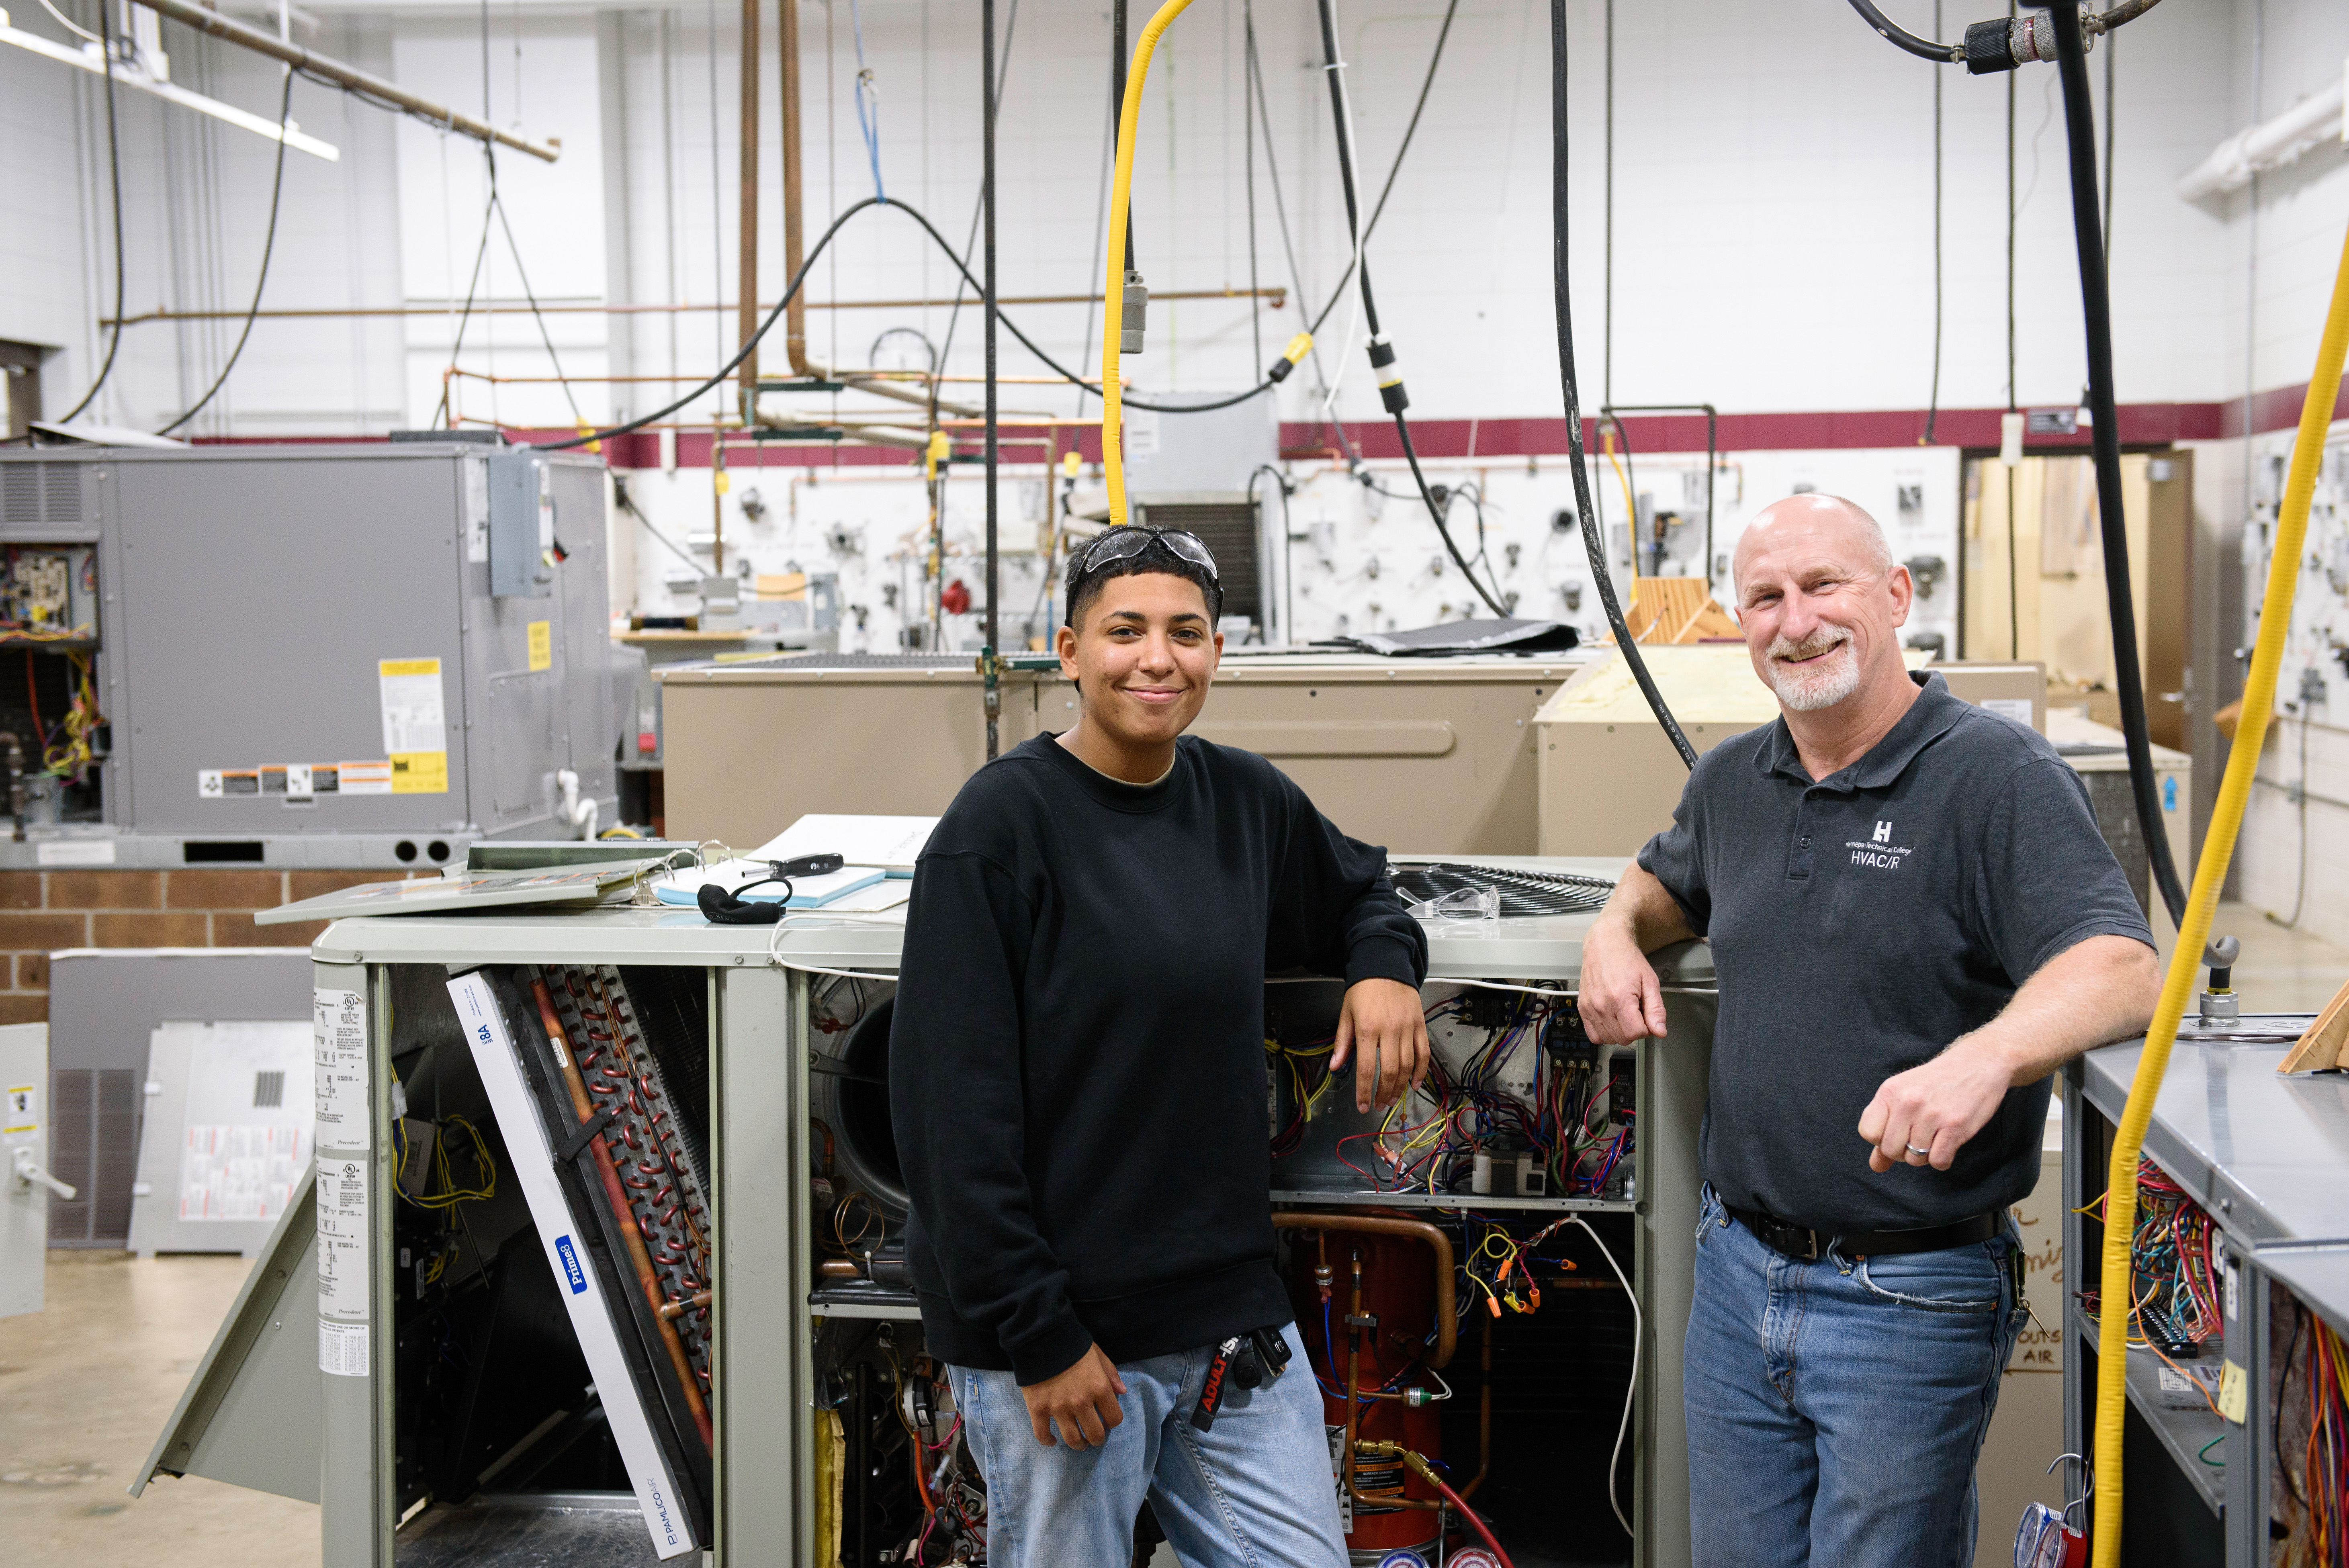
1399	1291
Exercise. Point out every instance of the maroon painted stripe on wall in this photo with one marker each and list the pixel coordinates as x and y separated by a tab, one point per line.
1453	441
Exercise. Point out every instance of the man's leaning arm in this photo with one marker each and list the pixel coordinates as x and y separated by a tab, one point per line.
2098	990
1620	999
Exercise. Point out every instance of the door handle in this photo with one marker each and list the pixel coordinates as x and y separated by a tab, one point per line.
28	1172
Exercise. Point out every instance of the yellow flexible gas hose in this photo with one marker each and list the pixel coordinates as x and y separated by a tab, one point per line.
2217	848
1129	115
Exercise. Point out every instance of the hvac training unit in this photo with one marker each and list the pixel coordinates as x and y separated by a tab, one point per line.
333	655
603	1254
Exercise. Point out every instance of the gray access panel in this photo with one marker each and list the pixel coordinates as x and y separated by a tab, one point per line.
104	1006
252	1414
249	595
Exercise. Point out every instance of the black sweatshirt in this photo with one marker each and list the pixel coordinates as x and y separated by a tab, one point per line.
1077	1066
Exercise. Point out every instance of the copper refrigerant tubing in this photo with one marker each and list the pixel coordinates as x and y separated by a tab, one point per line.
584	1105
1447	1310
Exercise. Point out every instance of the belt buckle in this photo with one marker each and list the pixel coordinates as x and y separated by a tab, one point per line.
1810	1245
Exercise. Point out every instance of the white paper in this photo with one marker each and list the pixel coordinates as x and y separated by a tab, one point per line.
343	1235
413	720
881	895
340	1075
891	842
240	1171
2017	708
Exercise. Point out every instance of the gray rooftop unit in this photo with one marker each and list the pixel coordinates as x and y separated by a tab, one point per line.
315	655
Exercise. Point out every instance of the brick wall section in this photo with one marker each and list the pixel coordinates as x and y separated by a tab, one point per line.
41	911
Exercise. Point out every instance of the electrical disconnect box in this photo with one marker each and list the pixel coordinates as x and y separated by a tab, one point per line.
604	1259
344	655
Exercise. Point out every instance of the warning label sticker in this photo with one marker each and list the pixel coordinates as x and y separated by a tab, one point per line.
542	645
340	1070
420	773
413	718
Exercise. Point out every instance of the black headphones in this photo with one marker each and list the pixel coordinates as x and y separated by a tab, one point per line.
721	907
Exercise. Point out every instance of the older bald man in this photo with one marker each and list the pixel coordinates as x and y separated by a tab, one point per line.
1915	923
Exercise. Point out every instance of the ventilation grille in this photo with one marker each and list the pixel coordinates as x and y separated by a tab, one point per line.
1229	530
268	1089
94	1148
36	495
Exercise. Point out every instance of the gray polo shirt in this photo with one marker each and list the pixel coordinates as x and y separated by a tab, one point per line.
1861	922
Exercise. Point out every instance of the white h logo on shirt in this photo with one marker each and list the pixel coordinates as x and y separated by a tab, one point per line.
1883	832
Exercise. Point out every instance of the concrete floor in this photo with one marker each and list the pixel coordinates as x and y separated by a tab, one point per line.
86	1385
85	1388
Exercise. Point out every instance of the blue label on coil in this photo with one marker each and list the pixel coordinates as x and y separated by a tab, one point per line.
571	1269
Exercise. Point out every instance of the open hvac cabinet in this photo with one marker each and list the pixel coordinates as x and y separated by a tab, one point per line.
603	1259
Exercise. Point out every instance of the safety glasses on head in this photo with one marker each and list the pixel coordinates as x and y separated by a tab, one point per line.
1119	543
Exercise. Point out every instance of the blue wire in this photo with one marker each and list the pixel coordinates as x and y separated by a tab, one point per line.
868	123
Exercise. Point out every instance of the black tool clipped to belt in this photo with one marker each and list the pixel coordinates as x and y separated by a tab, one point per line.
721	907
1250	1360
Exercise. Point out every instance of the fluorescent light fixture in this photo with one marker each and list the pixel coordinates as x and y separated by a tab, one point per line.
87	59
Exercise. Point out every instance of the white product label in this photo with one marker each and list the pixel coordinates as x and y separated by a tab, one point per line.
241	1170
413	718
2175	1382
477	510
343	1238
341	1077
76	852
2229	1272
2017	708
298	783
343	1348
209	785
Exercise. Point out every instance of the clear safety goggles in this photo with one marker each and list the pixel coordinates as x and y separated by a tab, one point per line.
1120	543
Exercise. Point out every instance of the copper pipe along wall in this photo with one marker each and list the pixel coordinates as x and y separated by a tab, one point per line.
676	1309
203	19
747	318
1483	1419
1447	1317
1277	297
654	1297
794	233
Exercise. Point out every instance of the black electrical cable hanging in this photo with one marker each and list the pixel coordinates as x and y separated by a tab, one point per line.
268	245
1591	543
776	313
1989	46
114	182
2096	309
1381	352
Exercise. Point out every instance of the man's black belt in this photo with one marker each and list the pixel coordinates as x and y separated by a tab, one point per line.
1806	1245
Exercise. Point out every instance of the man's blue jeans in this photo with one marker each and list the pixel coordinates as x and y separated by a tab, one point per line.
1835	1409
1255	1490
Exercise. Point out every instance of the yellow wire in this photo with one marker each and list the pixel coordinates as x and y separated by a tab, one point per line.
2217	848
1129	118
1630	507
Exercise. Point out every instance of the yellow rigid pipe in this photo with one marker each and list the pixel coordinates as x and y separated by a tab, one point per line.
2217	848
1129	115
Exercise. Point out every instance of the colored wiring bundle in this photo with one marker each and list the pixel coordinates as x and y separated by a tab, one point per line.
2313	1467
1576	1127
2173	1306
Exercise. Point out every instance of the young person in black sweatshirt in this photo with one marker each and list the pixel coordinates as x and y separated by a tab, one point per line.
1077	1076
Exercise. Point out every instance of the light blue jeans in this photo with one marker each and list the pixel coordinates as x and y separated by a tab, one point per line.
1254	1490
1835	1409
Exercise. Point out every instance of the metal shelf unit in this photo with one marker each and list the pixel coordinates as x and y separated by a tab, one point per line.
2265	1156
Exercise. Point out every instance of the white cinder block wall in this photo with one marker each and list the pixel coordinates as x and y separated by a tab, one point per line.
1773	175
